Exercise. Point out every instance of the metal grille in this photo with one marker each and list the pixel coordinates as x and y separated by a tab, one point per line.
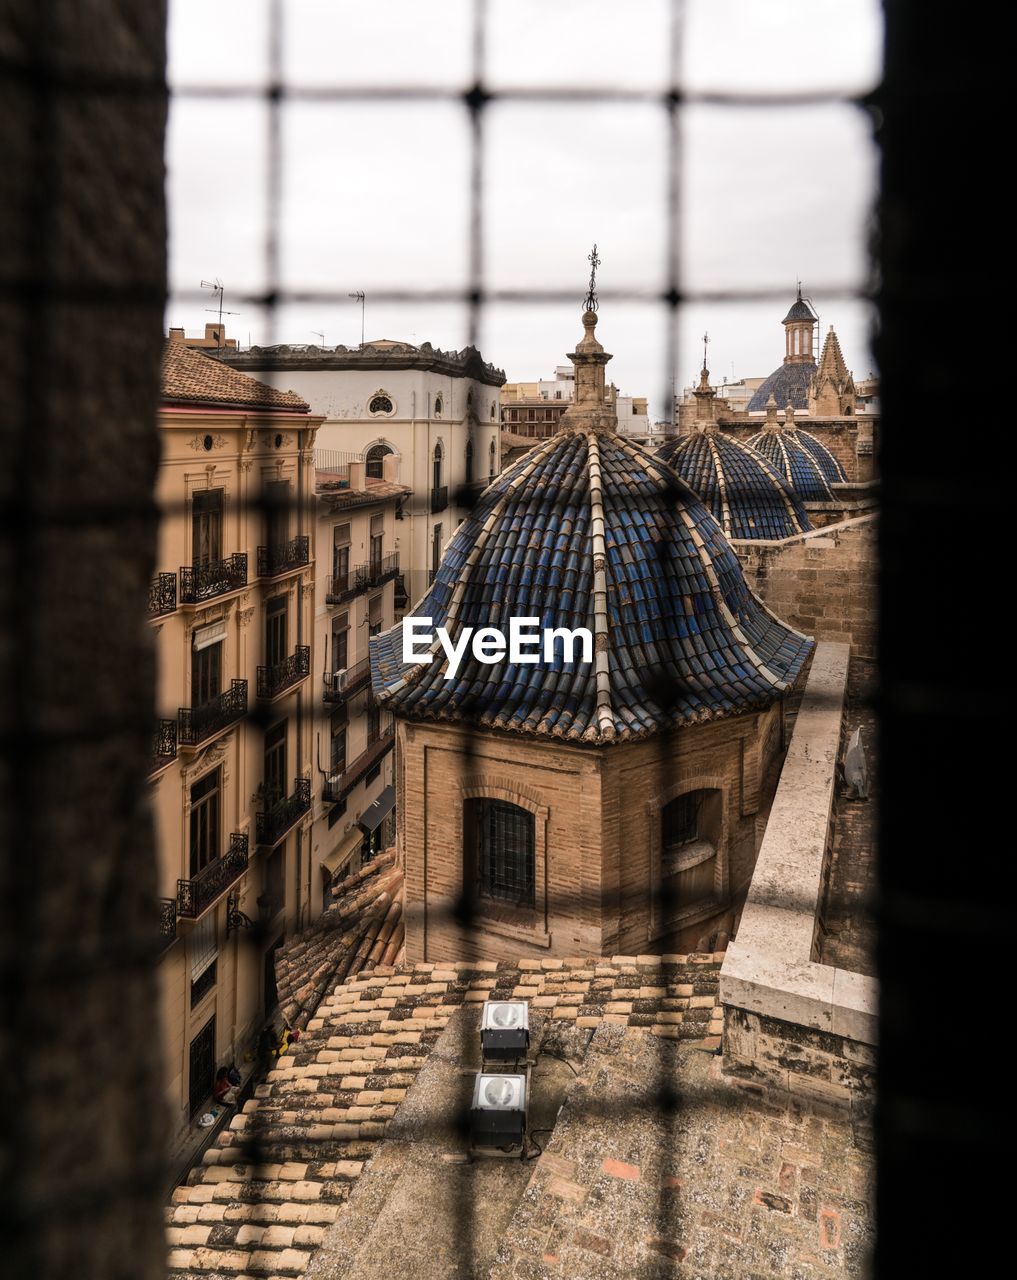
503	835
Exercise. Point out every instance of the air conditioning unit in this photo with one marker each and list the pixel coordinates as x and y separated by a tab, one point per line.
335	681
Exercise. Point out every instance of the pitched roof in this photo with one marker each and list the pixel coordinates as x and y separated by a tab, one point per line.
747	496
357	1126
590	530
360	930
191	377
788	453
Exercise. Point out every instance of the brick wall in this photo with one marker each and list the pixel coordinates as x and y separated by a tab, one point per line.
823	583
597	815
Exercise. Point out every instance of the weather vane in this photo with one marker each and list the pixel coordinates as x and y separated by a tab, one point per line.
591	297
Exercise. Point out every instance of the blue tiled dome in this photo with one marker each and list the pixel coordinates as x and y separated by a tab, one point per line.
745	493
794	462
789	383
590	530
828	464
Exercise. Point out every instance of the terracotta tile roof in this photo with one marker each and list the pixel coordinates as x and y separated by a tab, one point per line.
265	1194
334	487
745	493
685	638
362	929
191	377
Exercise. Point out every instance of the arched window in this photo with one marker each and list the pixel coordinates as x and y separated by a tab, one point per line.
439	405
469	461
493	457
493	409
375	460
437	466
499	851
690	840
380	403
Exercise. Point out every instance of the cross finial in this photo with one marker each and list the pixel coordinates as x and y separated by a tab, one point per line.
591	296
706	340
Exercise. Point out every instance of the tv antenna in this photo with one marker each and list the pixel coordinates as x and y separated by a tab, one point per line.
218	292
358	296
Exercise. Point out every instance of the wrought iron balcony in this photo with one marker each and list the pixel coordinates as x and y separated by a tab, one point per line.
341	587
164	745
197	724
284	675
167	921
200	582
273	824
282	558
340	685
339	785
162	595
194	897
439	498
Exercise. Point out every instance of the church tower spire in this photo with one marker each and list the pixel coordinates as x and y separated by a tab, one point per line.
589	410
800	332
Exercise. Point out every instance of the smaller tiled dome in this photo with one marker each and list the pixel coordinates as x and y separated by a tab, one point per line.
800	310
828	464
745	493
781	446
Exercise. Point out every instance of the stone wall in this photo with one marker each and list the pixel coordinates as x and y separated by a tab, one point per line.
822	583
791	1023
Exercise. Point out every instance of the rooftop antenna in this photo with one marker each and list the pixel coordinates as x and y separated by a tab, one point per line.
358	295
318	334
218	291
594	260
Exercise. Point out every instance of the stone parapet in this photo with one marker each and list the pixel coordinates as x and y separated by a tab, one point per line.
789	1020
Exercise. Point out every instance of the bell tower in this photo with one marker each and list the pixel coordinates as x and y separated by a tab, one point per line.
800	332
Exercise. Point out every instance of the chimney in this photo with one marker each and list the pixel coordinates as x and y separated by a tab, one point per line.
358	475
390	468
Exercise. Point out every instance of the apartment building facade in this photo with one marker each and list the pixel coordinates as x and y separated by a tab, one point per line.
231	610
358	522
436	412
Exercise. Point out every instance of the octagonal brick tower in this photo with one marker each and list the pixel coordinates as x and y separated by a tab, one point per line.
564	806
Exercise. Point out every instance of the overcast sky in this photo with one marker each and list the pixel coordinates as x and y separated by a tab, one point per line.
375	195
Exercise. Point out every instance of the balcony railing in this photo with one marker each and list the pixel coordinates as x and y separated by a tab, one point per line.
439	498
273	824
281	559
284	675
341	587
167	921
200	582
197	895
164	745
162	595
340	685
199	723
339	785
